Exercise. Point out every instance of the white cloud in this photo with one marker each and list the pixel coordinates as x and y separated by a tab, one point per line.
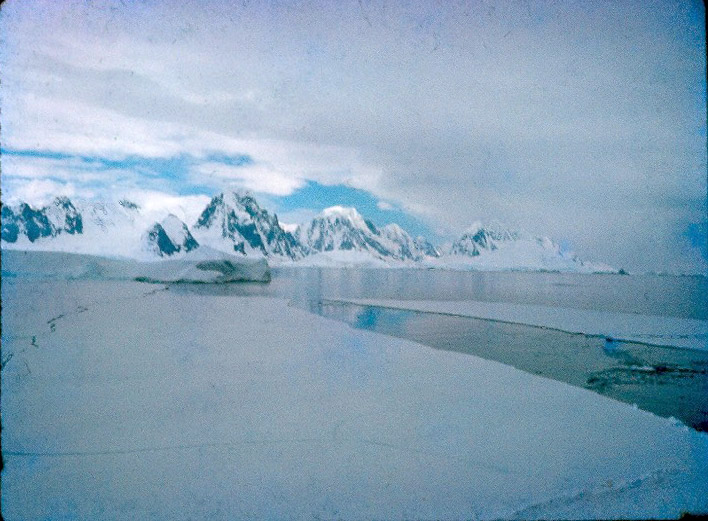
72	169
40	192
383	205
289	227
297	217
258	178
549	116
186	207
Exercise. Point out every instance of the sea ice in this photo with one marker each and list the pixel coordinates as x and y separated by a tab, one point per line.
124	400
656	330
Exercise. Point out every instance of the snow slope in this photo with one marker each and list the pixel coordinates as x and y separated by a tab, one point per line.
343	259
630	327
122	401
495	248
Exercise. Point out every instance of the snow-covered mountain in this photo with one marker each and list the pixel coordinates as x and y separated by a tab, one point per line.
479	238
234	222
110	228
342	229
24	221
169	237
493	247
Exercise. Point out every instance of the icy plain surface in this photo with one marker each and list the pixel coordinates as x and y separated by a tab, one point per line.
656	330
123	400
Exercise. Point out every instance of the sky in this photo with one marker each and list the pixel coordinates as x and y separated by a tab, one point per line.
582	121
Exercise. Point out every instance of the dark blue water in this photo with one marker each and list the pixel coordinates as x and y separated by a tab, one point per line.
645	294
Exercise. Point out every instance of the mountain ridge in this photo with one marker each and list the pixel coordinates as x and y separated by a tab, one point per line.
234	222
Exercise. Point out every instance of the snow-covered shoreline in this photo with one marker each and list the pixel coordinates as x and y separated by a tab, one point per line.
124	400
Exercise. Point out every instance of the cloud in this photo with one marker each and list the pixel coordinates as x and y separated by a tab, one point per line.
188	208
289	227
66	169
40	192
258	178
383	205
297	217
581	120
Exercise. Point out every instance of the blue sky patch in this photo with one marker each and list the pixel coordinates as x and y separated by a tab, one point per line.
315	196
174	175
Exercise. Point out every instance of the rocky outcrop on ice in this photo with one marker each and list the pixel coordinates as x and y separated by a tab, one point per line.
204	265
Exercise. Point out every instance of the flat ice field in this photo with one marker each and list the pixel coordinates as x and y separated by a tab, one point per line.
124	400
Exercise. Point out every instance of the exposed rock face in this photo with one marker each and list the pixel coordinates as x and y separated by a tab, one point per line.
169	237
479	238
49	221
234	223
238	220
342	228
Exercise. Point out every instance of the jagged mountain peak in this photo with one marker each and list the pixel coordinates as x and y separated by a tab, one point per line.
426	247
341	228
236	223
480	237
129	205
348	212
170	236
393	229
34	223
242	204
64	216
63	201
348	215
494	229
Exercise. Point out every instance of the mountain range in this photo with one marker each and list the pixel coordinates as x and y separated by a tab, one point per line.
234	222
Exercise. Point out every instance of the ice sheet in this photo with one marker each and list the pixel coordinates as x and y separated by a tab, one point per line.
127	401
200	265
655	330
